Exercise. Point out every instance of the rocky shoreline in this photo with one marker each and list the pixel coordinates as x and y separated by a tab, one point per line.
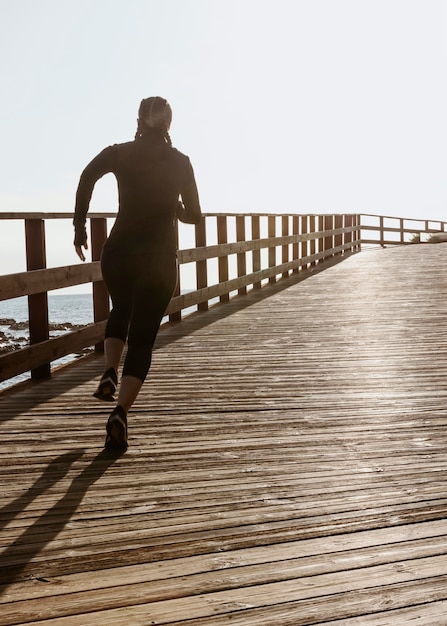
11	337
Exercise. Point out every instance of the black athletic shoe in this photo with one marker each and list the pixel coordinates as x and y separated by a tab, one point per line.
107	386
116	439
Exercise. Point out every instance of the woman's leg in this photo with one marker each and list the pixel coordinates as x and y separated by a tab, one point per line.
115	270
152	294
152	291
129	389
113	350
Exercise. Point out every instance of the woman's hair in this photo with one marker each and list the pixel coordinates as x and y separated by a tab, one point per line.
154	113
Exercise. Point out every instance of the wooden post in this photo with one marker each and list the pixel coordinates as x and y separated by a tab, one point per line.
296	246
347	237
321	239
256	255
222	238
313	241
338	239
304	231
285	248
37	303
382	233
328	240
201	268
272	249
401	228
241	259
177	316
101	307
358	232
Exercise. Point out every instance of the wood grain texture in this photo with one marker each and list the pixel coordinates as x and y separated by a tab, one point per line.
287	465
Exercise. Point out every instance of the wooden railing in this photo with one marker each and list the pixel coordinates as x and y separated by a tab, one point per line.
232	254
388	231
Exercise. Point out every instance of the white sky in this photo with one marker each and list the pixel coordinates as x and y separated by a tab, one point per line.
288	106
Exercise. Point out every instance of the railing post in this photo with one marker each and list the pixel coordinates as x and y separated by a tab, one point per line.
256	254
358	231
296	246
201	268
312	242
401	228
101	307
37	303
347	235
382	232
285	248
328	240
320	239
222	238
241	260
338	239
304	231
272	249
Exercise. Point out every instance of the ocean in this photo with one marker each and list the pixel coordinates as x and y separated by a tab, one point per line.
65	312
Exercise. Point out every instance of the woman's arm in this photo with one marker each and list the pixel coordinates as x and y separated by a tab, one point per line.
188	209
100	165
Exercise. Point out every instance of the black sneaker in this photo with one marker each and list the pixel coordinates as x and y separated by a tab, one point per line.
116	439
107	386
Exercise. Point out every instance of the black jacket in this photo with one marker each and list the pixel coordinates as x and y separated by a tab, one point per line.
151	177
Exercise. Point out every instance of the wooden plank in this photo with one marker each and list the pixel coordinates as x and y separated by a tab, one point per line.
253	606
22	360
200	253
36	281
243	587
315	556
419	615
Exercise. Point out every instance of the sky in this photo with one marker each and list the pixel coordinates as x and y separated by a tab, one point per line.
283	106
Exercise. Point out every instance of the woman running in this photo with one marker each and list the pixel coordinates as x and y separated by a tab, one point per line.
139	258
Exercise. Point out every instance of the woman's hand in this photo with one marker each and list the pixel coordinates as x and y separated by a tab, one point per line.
80	240
80	252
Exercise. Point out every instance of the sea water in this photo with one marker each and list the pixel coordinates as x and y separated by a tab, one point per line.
65	313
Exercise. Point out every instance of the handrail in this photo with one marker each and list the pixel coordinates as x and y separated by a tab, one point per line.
252	250
388	230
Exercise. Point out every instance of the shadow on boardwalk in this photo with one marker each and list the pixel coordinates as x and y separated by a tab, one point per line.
45	529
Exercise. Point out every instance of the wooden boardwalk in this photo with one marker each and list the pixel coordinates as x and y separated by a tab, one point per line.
287	466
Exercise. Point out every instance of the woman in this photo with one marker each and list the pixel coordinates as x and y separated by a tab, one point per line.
138	261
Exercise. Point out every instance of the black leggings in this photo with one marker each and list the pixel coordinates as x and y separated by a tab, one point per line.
140	287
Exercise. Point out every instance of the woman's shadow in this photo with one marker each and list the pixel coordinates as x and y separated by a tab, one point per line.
16	557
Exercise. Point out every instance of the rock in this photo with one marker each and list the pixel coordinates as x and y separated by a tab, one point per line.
10	347
65	326
19	325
